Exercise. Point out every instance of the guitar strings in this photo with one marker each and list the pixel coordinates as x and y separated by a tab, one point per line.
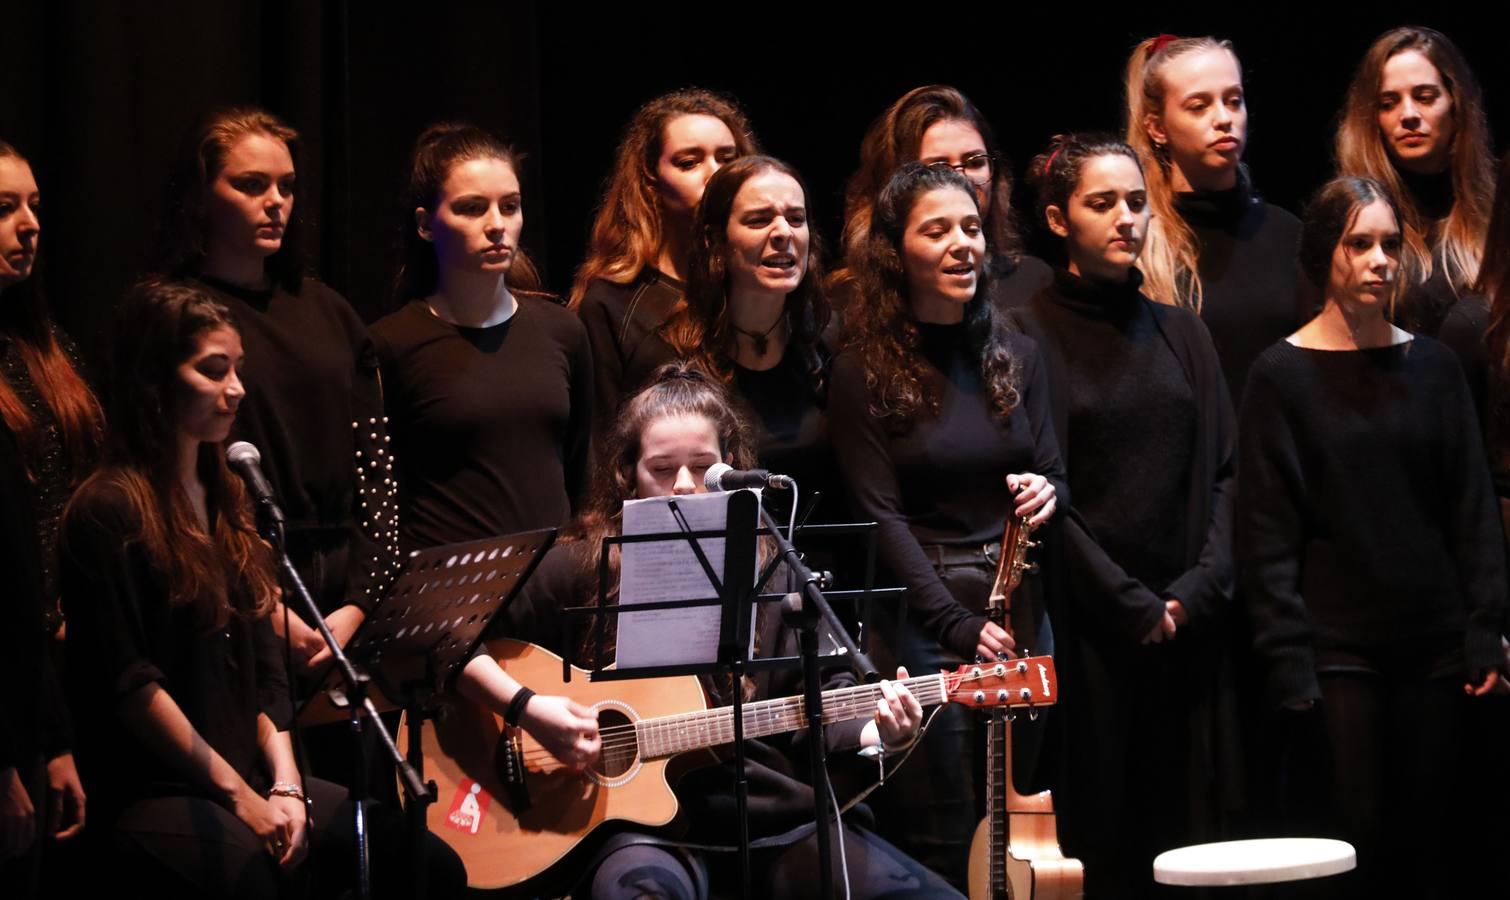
622	742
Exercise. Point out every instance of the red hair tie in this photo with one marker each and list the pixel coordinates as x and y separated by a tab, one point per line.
1162	41
1048	167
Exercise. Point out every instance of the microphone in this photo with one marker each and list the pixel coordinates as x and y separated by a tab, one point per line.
245	461
724	477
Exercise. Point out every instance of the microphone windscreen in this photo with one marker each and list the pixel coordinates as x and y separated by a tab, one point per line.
714	476
241	452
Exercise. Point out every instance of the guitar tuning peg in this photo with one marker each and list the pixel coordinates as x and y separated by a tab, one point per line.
1032	714
1030	568
1031	544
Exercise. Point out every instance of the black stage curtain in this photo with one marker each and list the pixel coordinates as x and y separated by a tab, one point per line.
99	92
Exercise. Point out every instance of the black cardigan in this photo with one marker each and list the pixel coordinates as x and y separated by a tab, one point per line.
1108	598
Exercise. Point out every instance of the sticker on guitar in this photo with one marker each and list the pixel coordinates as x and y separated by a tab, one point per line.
468	807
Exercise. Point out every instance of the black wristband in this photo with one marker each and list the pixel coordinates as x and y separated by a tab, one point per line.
516	705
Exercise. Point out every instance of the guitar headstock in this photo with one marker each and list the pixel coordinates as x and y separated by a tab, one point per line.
1030	681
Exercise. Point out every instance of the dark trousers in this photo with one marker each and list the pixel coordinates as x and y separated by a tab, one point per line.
1391	762
631	870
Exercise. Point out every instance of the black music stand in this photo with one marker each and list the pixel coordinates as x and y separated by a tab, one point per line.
734	638
417	639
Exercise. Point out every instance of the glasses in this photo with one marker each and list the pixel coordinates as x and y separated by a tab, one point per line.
976	167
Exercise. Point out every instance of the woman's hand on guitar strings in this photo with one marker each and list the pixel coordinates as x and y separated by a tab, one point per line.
565	728
898	714
1035	497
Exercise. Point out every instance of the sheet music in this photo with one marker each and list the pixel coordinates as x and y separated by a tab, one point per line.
656	571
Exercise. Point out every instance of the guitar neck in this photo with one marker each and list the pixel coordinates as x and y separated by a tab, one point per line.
670	735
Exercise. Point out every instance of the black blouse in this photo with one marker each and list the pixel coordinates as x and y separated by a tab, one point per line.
492	425
1367	520
314	408
943	479
622	321
123	634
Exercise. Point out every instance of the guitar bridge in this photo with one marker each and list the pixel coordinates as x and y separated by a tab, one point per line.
508	763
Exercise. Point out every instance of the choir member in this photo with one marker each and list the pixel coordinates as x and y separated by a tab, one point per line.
1478	329
755	315
1144	425
941	426
663	442
314	406
634	276
939	126
173	666
1414	121
488	383
1213	245
1371	556
50	432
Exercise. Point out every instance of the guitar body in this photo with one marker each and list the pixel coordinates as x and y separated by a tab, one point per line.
504	841
1035	867
510	811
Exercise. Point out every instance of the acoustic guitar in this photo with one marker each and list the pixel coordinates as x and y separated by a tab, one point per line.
1015	853
511	811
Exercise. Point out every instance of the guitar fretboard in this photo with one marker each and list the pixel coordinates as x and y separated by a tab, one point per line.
670	735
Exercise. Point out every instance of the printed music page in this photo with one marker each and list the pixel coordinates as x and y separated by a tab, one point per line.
657	571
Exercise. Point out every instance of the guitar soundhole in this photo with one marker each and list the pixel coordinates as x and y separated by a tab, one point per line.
620	750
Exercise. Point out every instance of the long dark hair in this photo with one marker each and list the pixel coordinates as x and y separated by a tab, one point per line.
878	321
1327	217
25	321
1494	284
627	230
184	234
1457	244
676	389
701	329
223	573
896	137
438	150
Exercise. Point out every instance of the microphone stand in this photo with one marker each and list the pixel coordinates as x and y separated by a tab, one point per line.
363	714
804	610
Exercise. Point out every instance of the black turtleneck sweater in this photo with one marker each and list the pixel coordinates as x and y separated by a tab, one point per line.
621	322
1367	522
1423	306
1145	429
1252	291
942	479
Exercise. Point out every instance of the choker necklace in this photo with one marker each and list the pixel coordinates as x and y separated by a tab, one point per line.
761	339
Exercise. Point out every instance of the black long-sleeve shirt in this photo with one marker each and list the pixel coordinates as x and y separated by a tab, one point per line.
1367	520
622	322
1252	291
314	409
124	634
1146	432
33	716
491	425
943	480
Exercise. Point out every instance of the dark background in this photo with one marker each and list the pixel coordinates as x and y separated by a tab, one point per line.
99	92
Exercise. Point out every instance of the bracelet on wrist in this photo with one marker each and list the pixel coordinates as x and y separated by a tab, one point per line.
516	706
286	789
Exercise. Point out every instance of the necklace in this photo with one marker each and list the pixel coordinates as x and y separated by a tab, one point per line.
761	339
